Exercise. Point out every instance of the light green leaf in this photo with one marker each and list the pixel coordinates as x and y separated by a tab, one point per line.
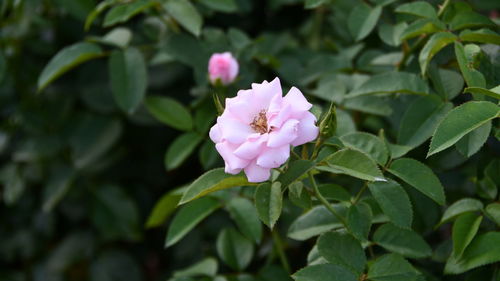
359	220
391	34
422	26
296	169
315	221
170	112
417	8
128	74
227	6
421	119
206	267
403	241
473	141
392	267
493	212
234	249
269	200
124	12
353	163
362	20
164	207
435	43
473	77
321	272
66	59
420	177
188	217
484	249
180	149
186	14
393	201
470	19
343	250
461	121
447	83
211	181
391	82
494	92
480	36
367	143
245	215
461	206
464	230
118	37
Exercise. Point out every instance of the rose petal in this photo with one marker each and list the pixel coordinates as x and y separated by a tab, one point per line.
284	135
255	173
296	99
215	133
242	107
233	163
273	157
252	147
307	130
233	130
277	119
265	92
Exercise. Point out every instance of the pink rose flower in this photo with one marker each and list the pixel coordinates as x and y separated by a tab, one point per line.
224	67
257	127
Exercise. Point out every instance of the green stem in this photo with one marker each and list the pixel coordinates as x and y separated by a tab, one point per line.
324	201
361	191
281	252
443	7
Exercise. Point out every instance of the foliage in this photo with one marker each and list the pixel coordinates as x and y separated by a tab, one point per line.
106	108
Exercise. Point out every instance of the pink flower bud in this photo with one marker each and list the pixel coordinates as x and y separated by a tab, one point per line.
258	127
222	66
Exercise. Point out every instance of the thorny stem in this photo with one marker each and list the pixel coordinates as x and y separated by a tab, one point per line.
324	201
279	248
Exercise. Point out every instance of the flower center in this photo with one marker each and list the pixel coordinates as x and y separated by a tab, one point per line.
259	123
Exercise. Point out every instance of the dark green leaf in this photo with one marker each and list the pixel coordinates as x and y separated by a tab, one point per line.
422	26
186	14
435	43
417	8
170	112
65	60
393	201
494	93
164	207
234	249
362	20
245	215
464	230
391	34
473	77
392	267
321	272
57	187
114	265
128	74
353	163
461	206
343	250
420	177
470	19
359	220
391	82
268	200
473	141
447	83
188	217
226	6
403	241
206	267
493	212
367	143
97	11
314	222
124	12
480	36
299	196
296	169
180	149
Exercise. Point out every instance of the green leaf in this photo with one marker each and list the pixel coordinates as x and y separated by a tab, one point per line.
97	11
227	6
315	221
435	44
473	77
343	250
234	249
362	20
493	212
484	249
296	169
321	272
114	264
299	196
164	207
66	59
494	92
473	141
170	112
391	82
13	183
206	267
480	36
421	119
353	163
244	214
461	206
464	230
180	149
118	37
359	220
124	12
461	121
128	74
447	83
334	192
403	241
188	217
417	8
392	267
469	19
186	14
211	181
58	185
367	143
391	34
420	177
312	4
393	201
3	67
422	26
268	200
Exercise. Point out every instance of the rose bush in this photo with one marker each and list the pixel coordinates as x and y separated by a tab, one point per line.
374	156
